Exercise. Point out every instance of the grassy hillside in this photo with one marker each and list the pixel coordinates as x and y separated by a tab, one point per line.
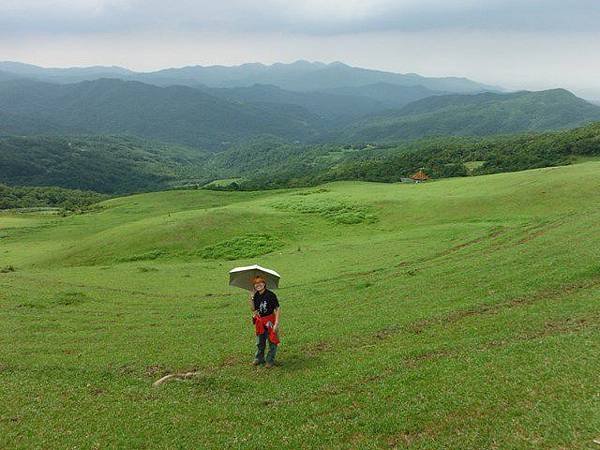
461	313
476	115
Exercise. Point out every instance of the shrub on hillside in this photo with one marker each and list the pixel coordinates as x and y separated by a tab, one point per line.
333	210
247	246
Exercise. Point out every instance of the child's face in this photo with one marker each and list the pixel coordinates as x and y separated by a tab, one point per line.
259	286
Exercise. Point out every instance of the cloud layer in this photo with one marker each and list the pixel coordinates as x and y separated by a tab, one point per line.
531	44
310	17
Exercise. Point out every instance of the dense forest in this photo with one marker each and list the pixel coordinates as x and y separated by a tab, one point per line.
118	165
214	119
475	115
271	164
108	164
34	197
174	114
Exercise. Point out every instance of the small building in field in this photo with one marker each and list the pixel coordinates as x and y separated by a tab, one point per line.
420	176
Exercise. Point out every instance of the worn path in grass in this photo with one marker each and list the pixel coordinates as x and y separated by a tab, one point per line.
462	313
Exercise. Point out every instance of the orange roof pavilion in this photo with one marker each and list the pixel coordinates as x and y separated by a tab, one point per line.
420	176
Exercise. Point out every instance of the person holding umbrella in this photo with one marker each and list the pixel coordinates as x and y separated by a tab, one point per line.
266	313
264	306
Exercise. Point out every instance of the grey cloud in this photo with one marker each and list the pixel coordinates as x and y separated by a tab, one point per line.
303	17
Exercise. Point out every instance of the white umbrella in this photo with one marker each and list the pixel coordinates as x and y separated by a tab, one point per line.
242	277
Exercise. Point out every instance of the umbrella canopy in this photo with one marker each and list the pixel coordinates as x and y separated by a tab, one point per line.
242	277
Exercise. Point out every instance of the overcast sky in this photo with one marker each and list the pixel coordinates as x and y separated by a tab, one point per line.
531	44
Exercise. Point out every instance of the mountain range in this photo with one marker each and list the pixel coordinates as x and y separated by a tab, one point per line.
176	114
111	130
215	118
298	76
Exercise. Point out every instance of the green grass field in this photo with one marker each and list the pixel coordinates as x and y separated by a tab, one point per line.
461	313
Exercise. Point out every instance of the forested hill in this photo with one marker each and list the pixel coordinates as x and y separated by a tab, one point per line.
108	164
175	114
215	119
475	115
440	157
338	106
111	164
333	109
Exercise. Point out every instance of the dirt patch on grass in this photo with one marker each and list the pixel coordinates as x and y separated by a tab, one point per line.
405	439
7	269
97	391
317	348
550	328
388	331
555	327
495	308
489	238
495	233
148	256
72	298
539	231
31	305
156	369
232	361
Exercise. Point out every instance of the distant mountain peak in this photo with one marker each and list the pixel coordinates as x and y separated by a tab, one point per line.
300	76
303	62
338	64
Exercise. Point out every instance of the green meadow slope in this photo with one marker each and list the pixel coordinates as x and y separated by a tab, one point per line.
462	313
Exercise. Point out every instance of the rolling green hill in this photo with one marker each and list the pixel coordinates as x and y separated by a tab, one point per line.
461	313
476	115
